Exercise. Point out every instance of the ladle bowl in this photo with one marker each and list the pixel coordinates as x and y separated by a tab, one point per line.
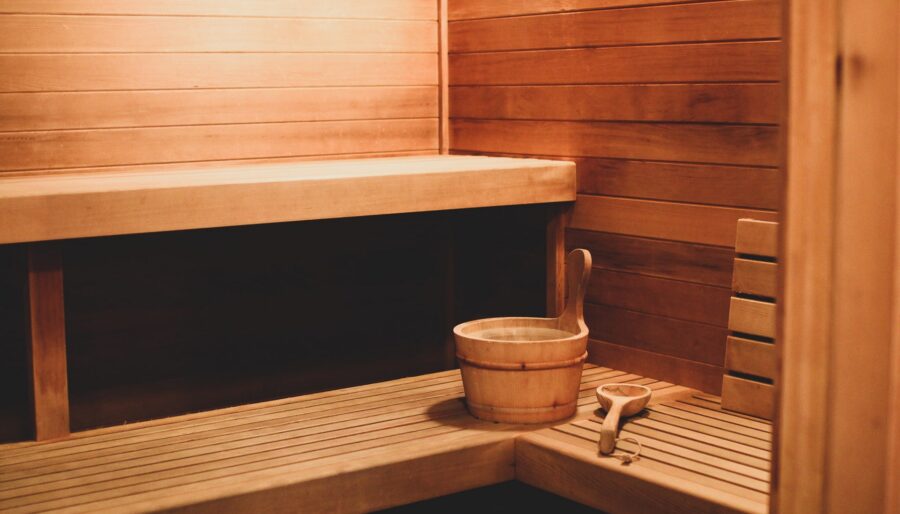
619	400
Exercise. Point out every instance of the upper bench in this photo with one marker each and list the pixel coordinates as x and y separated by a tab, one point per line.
114	202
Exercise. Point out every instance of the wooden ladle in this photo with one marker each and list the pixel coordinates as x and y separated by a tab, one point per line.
619	400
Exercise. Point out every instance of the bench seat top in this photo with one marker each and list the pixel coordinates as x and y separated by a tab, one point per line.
370	447
54	206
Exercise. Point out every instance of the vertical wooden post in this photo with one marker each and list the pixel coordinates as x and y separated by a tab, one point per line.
839	315
47	342
557	218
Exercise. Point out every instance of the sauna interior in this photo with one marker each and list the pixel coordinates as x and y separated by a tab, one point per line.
236	237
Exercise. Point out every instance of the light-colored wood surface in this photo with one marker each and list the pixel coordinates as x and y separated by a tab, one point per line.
751	365
752	317
349	450
672	112
384	9
527	370
757	237
751	357
840	265
753	277
105	203
48	375
98	83
748	396
695	458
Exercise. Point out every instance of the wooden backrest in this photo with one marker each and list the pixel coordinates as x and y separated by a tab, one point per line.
750	363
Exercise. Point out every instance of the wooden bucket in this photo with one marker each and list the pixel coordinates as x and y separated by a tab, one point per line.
527	370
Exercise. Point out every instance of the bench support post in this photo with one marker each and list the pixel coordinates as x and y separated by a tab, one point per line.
47	342
557	219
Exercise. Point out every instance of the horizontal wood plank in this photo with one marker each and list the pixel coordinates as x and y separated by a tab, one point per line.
645	218
117	109
698	342
383	9
697	375
662	297
752	317
688	262
758	278
85	205
111	147
757	236
751	145
735	62
103	72
123	34
709	103
751	357
692	22
568	468
757	188
469	9
748	397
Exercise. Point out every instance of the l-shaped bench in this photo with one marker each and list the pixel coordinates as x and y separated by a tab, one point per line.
348	450
375	446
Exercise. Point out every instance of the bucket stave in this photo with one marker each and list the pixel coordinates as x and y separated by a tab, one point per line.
527	370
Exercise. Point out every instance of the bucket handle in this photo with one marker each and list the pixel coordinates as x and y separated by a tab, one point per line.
578	274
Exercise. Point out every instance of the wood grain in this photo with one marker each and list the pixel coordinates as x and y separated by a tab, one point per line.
736	62
711	21
708	103
103	72
751	357
756	278
383	9
732	186
662	297
468	9
657	258
748	396
757	237
692	341
119	109
47	345
662	220
111	147
127	34
85	205
751	145
752	317
705	377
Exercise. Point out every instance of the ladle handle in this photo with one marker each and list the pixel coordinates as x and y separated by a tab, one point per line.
609	431
578	273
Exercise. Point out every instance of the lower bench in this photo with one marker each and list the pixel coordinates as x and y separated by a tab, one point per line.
375	446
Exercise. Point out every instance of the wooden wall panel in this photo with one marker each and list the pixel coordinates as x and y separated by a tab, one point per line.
110	147
735	103
90	83
118	109
383	9
164	324
747	19
94	34
671	110
708	62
